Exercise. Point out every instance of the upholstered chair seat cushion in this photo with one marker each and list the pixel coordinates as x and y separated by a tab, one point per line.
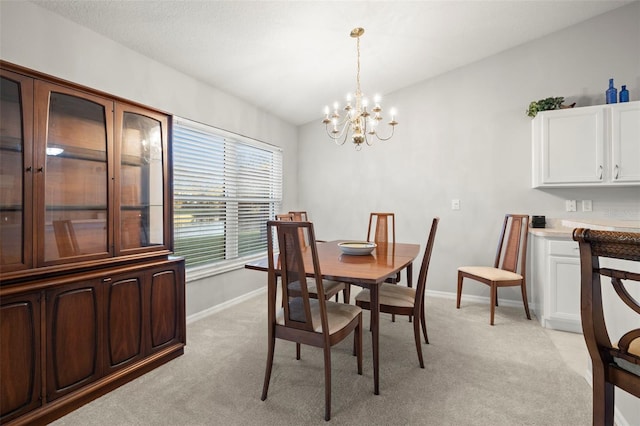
632	355
329	285
391	295
490	273
338	314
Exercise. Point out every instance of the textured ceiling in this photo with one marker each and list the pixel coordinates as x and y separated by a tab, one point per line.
292	58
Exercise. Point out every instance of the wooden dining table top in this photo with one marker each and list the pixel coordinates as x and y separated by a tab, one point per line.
362	270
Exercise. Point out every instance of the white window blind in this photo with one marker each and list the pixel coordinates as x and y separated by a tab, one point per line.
226	187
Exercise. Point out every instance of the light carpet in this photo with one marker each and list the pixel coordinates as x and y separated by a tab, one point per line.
510	374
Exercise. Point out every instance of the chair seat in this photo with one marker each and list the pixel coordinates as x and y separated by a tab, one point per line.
629	361
330	286
391	295
490	273
338	314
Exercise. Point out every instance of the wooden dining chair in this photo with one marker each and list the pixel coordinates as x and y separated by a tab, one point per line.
613	364
331	288
383	226
382	230
400	300
66	240
503	273
303	319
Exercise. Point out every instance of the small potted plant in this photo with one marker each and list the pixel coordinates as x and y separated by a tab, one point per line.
547	104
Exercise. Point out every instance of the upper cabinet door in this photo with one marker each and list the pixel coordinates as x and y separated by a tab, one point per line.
625	142
143	218
73	187
16	171
572	146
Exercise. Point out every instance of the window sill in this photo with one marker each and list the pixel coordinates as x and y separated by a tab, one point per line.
200	272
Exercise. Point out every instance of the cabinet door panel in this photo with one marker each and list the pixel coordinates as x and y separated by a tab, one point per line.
141	180
625	142
20	355
165	308
73	184
16	139
124	321
73	348
573	146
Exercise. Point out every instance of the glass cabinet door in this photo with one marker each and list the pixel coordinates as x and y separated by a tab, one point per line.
16	124
141	179
72	173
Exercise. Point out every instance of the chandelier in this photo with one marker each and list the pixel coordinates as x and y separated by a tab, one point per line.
358	122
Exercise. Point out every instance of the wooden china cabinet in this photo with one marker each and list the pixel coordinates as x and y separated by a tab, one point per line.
90	294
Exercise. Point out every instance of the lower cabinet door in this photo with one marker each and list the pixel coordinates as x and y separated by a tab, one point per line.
74	336
20	370
124	313
166	316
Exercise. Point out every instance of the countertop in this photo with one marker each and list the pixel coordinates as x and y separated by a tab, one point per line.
563	228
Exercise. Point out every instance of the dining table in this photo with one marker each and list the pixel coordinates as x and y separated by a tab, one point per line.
367	271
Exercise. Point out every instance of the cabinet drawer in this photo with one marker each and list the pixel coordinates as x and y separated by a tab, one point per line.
564	248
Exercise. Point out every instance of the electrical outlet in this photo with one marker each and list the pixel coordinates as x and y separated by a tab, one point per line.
571	205
455	204
587	206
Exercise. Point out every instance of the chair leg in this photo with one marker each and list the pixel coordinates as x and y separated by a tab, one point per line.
424	324
603	400
327	383
416	336
494	300
459	295
298	351
524	298
358	338
267	373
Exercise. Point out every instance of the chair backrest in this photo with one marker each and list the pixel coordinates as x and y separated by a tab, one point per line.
424	268
595	245
299	216
382	228
288	217
295	293
65	238
515	230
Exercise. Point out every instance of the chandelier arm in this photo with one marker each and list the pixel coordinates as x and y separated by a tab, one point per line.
387	138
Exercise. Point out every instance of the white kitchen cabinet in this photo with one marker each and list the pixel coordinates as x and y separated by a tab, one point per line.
590	146
625	142
556	283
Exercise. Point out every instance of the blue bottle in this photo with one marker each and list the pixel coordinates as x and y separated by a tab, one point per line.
611	93
624	94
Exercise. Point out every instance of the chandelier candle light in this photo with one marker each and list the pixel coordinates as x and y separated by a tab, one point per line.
357	121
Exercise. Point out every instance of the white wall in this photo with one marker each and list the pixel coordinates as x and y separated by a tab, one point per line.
465	135
38	39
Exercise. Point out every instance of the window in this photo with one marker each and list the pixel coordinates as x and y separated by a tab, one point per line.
226	187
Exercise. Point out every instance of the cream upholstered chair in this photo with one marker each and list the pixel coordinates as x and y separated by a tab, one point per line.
331	288
613	364
503	273
302	319
400	300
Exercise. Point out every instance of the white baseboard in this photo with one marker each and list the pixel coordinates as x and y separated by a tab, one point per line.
224	305
477	299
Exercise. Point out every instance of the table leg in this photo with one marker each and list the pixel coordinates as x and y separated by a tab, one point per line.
410	275
375	321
